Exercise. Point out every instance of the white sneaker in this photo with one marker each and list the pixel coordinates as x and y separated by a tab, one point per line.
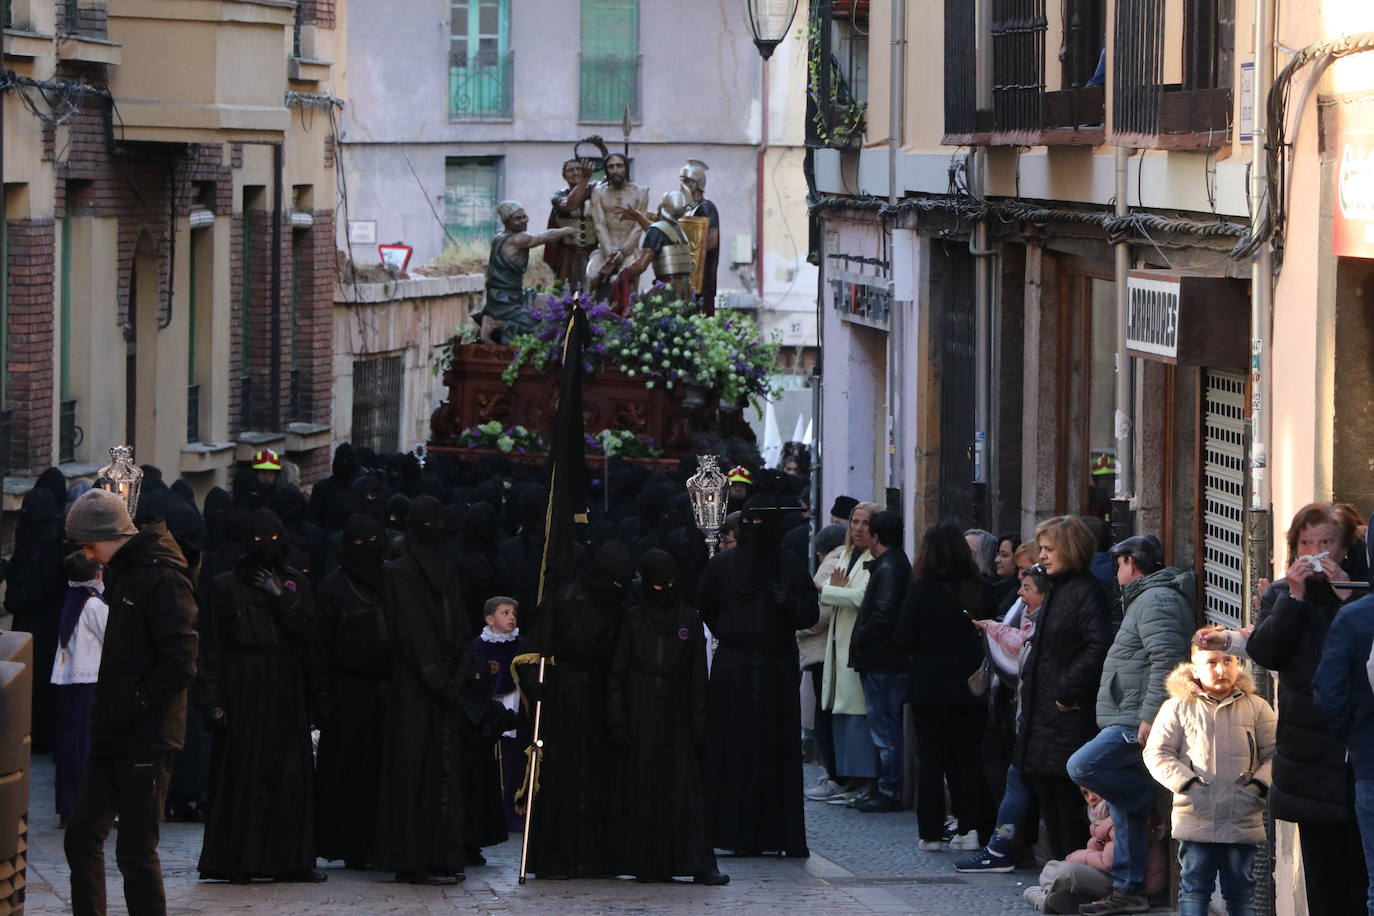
824	789
931	846
967	841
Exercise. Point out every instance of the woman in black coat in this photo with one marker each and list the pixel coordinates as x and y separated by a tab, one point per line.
1059	679
1312	783
936	625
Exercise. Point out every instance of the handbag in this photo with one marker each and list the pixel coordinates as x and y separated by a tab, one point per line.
981	678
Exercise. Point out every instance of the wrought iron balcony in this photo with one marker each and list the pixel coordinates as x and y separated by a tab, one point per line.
1146	112
609	86
480	86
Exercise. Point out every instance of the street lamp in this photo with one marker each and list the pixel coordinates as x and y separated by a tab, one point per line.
707	490
769	20
122	477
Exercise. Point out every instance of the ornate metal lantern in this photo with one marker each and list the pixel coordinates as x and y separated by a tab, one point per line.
707	489
769	20
122	477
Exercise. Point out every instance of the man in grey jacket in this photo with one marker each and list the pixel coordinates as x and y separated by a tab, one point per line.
1156	630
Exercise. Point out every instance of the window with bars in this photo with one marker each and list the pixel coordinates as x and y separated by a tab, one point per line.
481	64
1018	70
962	118
377	385
610	62
472	189
1194	113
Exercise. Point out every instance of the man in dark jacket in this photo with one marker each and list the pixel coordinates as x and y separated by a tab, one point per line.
1341	689
138	714
1154	637
884	670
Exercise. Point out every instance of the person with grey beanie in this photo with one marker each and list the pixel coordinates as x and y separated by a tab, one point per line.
138	712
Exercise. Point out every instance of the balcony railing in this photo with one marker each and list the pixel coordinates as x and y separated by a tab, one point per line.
962	118
1148	114
609	86
1018	70
480	87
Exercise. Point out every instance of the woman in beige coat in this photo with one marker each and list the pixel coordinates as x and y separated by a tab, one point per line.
1212	745
842	591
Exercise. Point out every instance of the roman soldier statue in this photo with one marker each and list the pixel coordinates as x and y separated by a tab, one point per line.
693	176
666	246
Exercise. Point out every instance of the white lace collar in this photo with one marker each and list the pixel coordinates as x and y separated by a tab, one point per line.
97	584
489	635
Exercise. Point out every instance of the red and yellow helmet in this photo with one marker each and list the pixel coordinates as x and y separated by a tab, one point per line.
266	460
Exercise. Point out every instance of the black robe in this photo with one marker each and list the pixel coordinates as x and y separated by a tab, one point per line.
420	802
253	666
753	745
355	647
657	707
570	828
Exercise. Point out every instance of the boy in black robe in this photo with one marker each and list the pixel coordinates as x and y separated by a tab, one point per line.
657	718
496	647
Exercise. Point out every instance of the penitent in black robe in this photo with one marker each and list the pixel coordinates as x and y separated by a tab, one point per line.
253	666
753	735
658	708
570	828
355	646
420	802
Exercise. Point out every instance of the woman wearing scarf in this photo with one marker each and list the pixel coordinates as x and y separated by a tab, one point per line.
80	636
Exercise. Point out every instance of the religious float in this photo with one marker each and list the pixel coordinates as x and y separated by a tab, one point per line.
663	380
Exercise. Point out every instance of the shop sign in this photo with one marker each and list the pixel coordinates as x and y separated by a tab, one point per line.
1186	319
1152	315
1354	218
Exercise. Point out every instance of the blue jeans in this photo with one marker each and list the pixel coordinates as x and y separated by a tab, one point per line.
1111	766
1364	815
1200	864
884	696
1015	805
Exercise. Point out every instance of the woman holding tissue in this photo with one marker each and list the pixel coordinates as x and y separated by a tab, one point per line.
1312	783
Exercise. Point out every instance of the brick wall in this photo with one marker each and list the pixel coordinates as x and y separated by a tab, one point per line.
29	384
318	12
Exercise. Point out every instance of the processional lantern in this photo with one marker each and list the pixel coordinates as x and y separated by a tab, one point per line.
769	20
707	490
122	477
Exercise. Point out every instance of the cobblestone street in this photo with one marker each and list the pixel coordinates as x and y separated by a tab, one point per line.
860	863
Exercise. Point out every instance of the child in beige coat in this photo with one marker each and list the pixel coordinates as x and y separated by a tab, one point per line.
1212	745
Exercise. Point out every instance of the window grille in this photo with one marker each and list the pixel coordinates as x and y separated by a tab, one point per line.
377	386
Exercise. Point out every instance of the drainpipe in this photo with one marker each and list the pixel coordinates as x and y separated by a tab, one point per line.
981	447
896	351
1125	376
758	195
1258	556
278	171
1262	275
